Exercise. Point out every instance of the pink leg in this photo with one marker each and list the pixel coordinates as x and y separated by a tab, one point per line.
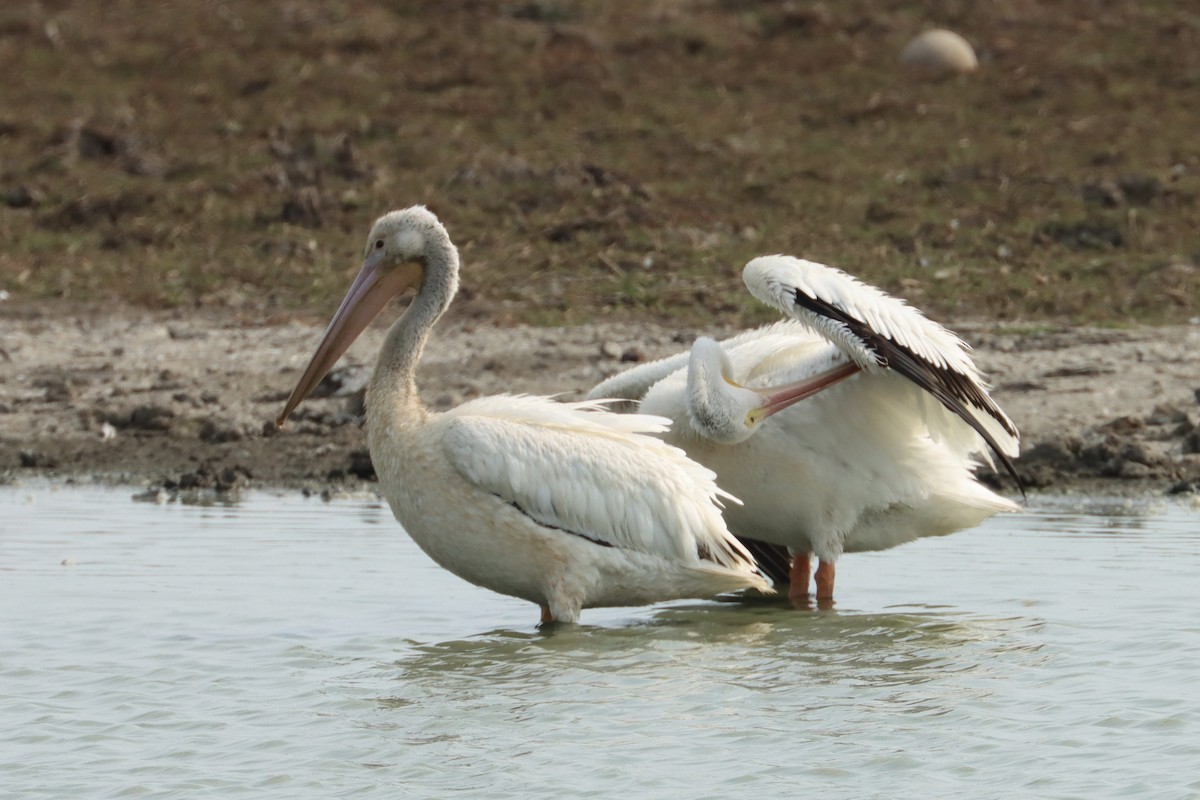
824	576
798	577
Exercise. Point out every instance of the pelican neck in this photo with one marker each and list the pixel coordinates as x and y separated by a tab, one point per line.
392	397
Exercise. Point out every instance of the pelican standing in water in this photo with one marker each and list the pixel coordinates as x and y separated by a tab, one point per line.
883	451
566	505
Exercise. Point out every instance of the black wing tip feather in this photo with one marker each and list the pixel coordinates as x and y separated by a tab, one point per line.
774	561
950	388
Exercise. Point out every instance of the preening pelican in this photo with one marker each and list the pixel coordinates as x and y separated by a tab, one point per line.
881	451
566	505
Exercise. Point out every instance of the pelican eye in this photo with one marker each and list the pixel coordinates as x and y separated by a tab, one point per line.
379	244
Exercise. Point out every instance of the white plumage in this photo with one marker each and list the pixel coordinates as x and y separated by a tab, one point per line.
879	331
566	505
872	460
775	280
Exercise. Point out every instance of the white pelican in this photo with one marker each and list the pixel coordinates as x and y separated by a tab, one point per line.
882	456
568	506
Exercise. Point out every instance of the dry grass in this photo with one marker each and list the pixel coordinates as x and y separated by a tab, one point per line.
604	158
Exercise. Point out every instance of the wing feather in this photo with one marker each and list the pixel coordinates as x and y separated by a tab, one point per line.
633	383
582	469
879	331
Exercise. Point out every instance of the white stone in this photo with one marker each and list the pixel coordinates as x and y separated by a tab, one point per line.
940	49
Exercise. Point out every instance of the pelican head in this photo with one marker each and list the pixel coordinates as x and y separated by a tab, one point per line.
726	412
720	409
397	256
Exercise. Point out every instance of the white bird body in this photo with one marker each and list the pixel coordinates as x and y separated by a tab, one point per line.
569	506
867	464
556	504
873	461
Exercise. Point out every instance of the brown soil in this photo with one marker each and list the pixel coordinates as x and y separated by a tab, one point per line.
180	180
600	159
186	401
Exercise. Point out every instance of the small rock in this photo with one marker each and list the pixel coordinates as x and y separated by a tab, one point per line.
879	212
214	431
361	466
1033	476
167	381
1167	415
231	478
58	390
1191	442
356	404
1132	470
941	50
157	495
342	418
1122	425
1140	189
610	350
1098	455
36	459
1077	371
21	197
1085	235
1134	452
151	418
107	432
1104	193
180	334
303	208
1059	452
94	143
190	480
1023	386
342	381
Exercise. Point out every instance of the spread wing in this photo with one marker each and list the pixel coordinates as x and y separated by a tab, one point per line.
882	332
590	472
632	384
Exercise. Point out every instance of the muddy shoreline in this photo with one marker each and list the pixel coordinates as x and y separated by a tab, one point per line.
182	402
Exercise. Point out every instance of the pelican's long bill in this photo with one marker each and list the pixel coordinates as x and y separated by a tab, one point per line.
375	284
777	398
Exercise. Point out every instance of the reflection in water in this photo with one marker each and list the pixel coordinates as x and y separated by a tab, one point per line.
282	647
690	682
761	649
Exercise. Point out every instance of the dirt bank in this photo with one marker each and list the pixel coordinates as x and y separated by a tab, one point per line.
187	401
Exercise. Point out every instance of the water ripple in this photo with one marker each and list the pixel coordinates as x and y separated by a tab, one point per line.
283	647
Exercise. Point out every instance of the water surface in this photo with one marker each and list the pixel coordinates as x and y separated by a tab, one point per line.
288	647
